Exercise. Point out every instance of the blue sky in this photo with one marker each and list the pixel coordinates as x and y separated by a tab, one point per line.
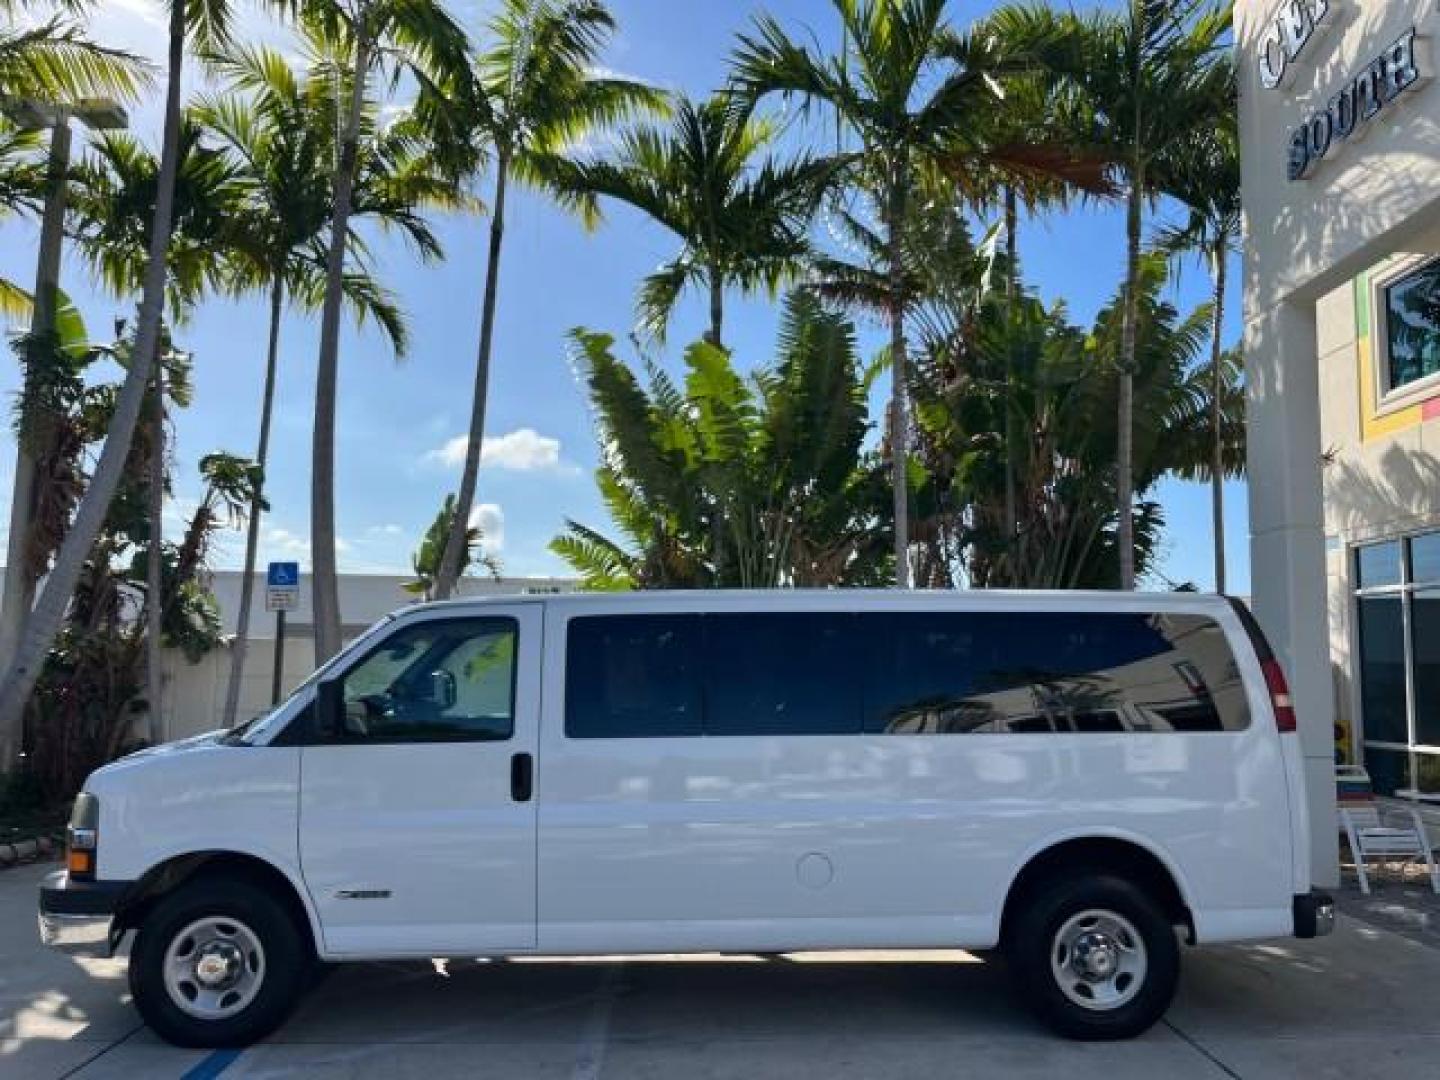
395	420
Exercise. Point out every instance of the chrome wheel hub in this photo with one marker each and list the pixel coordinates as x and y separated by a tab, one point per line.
214	968
1098	960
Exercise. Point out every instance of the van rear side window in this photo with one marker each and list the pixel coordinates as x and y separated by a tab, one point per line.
1036	672
899	673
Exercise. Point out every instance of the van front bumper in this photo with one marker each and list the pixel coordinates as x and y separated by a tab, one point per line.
1314	914
79	916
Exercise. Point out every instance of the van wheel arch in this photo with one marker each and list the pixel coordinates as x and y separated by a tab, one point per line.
1098	855
163	878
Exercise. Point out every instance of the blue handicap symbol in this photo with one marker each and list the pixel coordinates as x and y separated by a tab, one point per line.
283	575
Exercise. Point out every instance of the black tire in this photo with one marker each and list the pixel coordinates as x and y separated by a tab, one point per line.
1032	944
284	964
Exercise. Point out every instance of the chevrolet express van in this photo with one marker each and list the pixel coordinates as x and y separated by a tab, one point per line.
1081	780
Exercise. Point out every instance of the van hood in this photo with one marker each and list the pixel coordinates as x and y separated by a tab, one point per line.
179	746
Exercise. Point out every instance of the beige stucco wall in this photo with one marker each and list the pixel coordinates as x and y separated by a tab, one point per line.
1372	196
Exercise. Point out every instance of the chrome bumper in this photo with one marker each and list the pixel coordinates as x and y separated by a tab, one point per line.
79	916
82	935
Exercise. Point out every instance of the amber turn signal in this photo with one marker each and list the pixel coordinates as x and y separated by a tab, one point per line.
80	862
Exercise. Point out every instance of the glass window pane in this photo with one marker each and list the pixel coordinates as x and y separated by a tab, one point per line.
1389	769
1040	672
1425	643
1412	324
1378	564
1382	669
1426	770
1425	558
632	676
780	674
437	681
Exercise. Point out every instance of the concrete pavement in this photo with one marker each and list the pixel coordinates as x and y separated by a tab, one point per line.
1359	1003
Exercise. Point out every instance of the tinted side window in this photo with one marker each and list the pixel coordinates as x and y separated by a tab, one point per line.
632	676
1049	672
780	674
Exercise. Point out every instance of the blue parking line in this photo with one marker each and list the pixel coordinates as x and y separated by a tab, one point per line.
213	1065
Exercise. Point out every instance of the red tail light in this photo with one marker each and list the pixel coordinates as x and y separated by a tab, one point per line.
1279	689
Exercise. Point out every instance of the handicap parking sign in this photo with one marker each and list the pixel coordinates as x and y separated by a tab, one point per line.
282	586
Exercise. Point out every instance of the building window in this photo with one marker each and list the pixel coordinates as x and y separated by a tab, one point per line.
1398	623
1412	326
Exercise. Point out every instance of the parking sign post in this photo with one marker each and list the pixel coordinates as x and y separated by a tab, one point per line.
282	594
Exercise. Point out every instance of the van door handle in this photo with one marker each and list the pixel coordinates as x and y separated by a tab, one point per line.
522	777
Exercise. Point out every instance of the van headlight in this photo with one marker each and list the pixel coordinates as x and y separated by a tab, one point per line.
82	836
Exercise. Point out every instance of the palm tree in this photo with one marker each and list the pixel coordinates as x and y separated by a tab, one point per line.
1156	76
47	60
741	221
279	129
53	59
535	89
1207	182
208	21
425	560
365	39
113	204
915	95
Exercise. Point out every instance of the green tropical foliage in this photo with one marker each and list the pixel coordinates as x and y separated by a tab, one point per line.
1149	82
728	481
425	562
92	684
50	58
1059	383
742	220
885	178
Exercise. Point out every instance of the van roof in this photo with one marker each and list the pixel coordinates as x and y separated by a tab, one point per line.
914	599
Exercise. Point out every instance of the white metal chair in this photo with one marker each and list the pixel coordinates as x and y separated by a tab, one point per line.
1383	834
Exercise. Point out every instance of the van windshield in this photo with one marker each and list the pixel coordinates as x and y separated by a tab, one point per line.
258	728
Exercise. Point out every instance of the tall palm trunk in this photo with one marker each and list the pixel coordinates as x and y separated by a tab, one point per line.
457	542
252	528
899	421
1217	426
49	611
154	560
18	595
1012	289
325	586
717	308
1125	449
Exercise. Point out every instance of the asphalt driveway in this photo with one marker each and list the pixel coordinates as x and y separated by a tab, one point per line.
1360	1003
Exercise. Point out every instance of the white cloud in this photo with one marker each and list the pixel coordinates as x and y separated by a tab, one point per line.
490	520
521	450
388	529
277	541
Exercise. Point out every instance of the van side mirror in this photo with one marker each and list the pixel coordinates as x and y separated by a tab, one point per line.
329	709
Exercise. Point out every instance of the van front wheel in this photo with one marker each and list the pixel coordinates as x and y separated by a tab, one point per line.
217	964
1095	957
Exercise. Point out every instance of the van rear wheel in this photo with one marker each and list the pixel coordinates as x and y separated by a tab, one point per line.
1095	957
217	964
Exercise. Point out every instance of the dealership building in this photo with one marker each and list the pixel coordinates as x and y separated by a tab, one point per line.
1340	139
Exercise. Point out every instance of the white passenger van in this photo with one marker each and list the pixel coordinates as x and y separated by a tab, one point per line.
1079	779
